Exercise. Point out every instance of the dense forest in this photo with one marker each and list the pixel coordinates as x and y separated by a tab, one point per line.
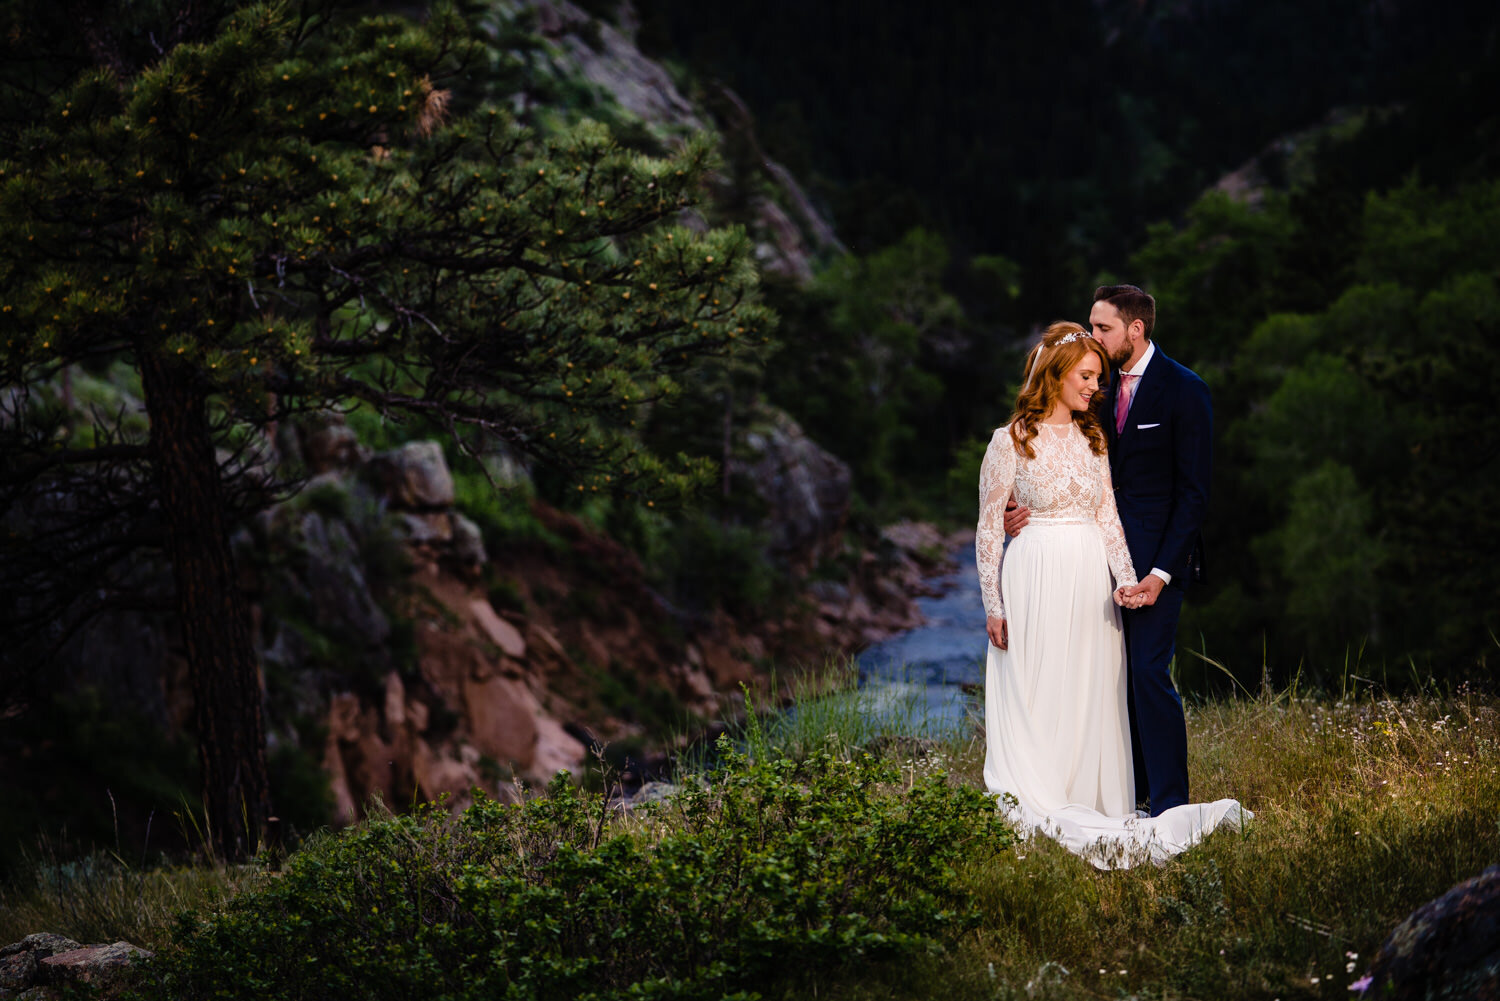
378	226
1309	191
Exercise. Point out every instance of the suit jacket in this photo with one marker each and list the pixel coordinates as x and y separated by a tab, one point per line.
1161	464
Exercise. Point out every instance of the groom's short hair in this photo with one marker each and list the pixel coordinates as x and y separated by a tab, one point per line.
1132	303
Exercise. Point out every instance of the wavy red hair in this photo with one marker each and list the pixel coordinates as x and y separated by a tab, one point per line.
1049	362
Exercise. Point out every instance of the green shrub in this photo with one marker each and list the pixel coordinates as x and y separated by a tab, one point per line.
765	872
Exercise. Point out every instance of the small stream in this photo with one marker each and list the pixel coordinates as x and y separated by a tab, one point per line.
913	681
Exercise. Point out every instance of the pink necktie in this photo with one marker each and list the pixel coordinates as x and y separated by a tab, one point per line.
1122	399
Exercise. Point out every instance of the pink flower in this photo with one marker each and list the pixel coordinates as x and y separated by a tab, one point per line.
1362	984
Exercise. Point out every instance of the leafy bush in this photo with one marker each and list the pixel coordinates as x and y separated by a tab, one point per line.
764	872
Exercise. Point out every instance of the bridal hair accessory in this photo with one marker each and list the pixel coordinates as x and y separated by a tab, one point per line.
1069	338
1077	335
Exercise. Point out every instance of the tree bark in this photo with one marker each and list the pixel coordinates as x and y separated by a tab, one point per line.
214	615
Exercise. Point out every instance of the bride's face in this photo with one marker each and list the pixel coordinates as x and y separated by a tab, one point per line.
1081	382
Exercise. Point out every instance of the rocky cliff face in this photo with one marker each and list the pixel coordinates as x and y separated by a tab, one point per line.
409	660
790	232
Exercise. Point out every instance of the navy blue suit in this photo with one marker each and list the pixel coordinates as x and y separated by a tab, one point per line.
1160	464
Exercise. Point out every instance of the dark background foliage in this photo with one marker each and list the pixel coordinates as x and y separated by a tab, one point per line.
1337	306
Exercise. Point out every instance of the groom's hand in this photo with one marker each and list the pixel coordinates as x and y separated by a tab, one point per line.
1016	518
998	633
1146	592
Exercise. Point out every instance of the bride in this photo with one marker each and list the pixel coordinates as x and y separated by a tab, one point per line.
1056	720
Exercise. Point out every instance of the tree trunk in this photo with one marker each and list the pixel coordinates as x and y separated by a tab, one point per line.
214	615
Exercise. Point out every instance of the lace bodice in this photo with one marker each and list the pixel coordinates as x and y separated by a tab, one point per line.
1066	482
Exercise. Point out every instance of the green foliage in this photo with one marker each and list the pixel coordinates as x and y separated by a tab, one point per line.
1352	435
772	872
863	363
704	563
247	161
503	513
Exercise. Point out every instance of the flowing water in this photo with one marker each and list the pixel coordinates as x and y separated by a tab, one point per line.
913	682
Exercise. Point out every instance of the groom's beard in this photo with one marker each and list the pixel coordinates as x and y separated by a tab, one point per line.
1119	357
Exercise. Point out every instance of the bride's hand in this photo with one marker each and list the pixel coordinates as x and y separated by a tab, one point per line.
998	632
1125	599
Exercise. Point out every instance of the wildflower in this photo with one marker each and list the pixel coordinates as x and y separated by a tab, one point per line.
1362	984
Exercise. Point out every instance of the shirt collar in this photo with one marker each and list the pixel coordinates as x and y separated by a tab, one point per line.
1140	366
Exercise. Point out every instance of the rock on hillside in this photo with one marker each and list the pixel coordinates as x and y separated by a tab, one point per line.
789	231
42	965
1449	948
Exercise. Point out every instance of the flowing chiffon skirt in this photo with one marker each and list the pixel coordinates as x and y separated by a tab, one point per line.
1056	720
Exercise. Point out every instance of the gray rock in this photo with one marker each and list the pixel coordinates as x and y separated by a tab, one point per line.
607	58
42	943
96	965
468	543
1449	948
17	971
830	592
806	489
414	476
332	446
336	583
653	792
20	962
426	529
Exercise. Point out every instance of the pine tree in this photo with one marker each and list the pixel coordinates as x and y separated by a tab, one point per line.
282	211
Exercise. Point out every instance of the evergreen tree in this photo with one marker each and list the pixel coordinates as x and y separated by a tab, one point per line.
261	210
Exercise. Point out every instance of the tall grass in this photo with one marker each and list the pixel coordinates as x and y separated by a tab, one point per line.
104	898
829	707
1366	806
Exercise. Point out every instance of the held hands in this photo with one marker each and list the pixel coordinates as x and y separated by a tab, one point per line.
1143	594
999	634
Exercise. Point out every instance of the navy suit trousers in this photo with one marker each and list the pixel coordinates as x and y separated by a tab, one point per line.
1155	707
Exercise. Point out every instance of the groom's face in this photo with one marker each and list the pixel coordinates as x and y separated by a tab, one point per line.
1111	332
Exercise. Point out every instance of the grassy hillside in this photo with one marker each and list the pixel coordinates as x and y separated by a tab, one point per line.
853	877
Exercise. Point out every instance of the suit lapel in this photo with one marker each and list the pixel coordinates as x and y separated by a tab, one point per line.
1147	393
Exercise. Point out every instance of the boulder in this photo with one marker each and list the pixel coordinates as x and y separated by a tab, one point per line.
95	965
18	971
336	583
20	962
556	750
608	59
32	967
502	716
806	489
1448	948
466	546
498	631
414	476
433	528
331	445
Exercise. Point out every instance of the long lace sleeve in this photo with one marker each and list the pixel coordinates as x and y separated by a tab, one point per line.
1108	518
997	474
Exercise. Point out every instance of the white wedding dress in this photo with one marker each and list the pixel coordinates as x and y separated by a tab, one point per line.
1056	722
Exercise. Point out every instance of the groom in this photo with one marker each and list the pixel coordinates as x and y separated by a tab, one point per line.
1160	426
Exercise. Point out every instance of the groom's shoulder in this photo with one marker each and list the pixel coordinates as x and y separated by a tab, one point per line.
1182	372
